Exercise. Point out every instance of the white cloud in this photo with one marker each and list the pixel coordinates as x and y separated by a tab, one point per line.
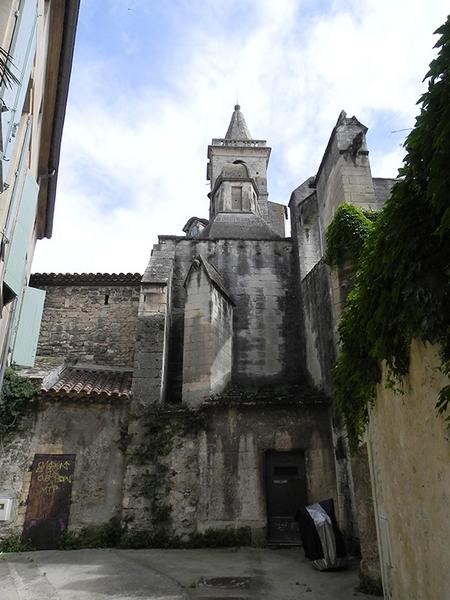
134	161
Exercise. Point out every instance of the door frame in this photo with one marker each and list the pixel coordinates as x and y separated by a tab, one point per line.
266	452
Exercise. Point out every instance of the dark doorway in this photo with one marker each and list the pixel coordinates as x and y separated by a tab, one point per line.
48	502
285	492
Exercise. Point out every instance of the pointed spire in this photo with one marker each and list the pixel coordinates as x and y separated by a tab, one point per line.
237	129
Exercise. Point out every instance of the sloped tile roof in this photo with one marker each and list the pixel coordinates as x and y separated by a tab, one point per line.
91	382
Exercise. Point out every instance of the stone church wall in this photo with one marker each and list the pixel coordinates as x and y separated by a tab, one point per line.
344	175
259	276
90	323
233	491
216	475
92	431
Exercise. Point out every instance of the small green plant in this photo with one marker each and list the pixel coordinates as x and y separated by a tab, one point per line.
13	543
106	535
221	538
136	539
17	396
7	76
211	538
370	586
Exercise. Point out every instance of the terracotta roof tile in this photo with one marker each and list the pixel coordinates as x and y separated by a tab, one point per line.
89	382
85	279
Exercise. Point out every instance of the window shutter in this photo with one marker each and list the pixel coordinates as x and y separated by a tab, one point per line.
24	351
16	259
22	51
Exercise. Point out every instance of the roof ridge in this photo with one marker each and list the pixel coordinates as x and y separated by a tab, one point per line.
84	278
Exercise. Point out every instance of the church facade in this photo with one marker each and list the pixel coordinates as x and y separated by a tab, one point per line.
205	385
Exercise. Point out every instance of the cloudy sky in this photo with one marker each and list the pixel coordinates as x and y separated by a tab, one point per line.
154	80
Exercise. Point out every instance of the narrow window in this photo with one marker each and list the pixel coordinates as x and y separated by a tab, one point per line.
106	299
236	197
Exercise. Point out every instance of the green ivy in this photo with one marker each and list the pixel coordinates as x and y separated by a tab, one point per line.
347	234
17	396
401	289
162	426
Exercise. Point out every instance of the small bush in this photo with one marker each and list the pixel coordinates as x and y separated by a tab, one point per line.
13	543
370	586
221	538
107	535
18	395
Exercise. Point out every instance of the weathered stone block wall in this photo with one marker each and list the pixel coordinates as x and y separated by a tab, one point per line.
310	245
259	276
90	323
151	345
90	430
277	217
207	355
320	346
409	452
217	478
344	174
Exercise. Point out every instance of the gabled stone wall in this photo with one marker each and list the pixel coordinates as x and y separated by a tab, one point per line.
207	356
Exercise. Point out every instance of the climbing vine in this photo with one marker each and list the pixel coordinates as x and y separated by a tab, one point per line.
347	234
18	394
401	286
162	426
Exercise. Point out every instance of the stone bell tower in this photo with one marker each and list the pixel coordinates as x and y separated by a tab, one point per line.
239	147
237	170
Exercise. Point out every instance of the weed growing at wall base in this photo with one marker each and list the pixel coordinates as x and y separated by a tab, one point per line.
13	543
113	534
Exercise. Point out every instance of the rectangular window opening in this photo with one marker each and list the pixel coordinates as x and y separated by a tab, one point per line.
106	299
236	197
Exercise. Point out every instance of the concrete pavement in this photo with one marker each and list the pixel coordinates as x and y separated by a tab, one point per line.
112	574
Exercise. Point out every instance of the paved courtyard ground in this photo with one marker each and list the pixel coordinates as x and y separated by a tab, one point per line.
236	574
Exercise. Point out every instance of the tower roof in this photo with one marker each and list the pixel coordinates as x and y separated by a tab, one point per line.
237	129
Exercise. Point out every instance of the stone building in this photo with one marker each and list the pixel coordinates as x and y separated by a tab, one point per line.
213	370
38	38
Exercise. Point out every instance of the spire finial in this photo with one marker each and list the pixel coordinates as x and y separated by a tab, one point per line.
237	107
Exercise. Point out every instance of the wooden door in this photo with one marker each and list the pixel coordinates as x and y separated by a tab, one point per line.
285	493
48	502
